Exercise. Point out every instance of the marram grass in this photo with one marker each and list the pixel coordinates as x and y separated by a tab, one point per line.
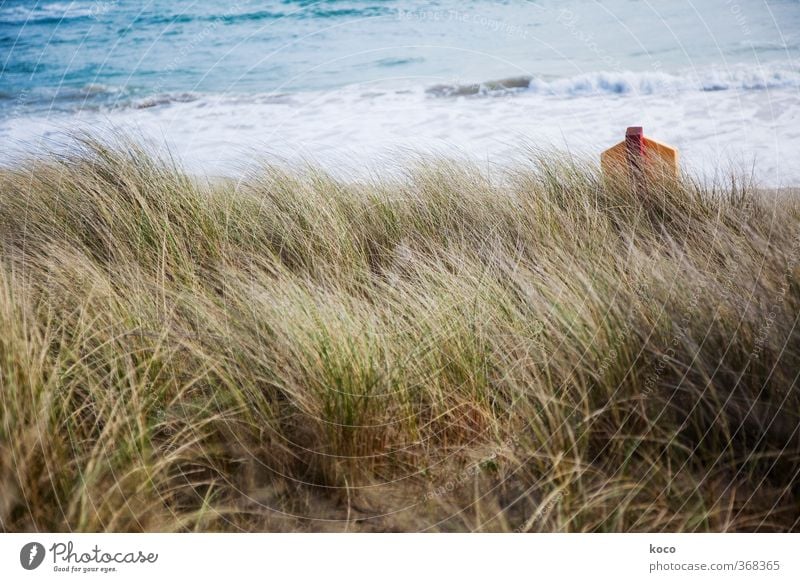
527	350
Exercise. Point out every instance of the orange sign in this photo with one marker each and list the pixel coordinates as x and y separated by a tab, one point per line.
639	157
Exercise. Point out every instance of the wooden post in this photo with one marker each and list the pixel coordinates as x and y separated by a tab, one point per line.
635	155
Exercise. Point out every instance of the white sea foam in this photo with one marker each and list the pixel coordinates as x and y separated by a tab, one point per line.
749	121
49	11
635	83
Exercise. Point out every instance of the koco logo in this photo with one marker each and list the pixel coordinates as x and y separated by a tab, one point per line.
31	555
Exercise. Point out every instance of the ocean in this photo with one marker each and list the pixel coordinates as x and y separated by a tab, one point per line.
361	86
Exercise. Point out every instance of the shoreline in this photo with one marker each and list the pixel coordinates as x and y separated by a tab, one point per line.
741	121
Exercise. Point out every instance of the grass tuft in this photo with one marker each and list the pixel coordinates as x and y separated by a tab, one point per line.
531	350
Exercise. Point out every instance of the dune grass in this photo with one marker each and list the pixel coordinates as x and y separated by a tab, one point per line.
527	350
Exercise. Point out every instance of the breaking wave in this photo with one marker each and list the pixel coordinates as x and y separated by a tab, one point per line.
628	83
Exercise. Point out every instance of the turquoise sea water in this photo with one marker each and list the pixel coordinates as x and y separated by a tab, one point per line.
314	78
